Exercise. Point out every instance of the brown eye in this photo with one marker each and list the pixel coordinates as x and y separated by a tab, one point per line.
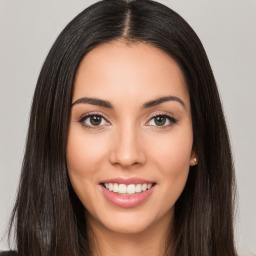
160	120
95	120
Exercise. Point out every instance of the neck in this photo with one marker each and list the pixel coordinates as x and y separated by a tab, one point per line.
149	242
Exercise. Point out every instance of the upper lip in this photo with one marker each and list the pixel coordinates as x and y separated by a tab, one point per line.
133	180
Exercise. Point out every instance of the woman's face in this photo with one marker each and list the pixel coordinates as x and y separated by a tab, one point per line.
130	132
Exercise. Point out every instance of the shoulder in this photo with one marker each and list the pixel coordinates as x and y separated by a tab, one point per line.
9	253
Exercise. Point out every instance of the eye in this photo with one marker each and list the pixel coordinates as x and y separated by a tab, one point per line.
162	120
93	121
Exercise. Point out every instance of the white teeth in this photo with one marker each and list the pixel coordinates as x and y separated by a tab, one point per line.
138	188
144	187
122	188
115	188
129	189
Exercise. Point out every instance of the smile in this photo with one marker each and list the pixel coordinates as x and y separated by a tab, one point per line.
127	189
127	193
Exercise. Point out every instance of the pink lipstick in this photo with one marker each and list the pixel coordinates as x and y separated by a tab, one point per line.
127	192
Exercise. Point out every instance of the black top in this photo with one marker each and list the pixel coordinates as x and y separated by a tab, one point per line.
9	253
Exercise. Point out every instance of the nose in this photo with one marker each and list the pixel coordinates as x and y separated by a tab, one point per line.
127	148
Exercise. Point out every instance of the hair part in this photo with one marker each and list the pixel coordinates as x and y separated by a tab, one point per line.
48	216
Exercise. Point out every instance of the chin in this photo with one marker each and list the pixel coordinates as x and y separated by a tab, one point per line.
129	221
127	229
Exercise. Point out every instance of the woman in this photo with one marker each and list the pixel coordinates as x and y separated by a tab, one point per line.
127	150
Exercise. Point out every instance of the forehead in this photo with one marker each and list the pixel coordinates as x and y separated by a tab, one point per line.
117	71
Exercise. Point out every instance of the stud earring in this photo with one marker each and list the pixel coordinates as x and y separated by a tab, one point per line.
195	160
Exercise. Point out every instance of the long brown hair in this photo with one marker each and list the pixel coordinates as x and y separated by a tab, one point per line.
48	216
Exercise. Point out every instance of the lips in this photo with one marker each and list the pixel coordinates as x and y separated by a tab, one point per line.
127	192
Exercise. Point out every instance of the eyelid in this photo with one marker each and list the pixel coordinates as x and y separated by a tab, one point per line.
169	116
160	114
93	113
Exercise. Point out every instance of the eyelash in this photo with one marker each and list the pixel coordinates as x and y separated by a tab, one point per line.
171	119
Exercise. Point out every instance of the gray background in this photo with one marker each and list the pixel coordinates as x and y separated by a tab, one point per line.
227	30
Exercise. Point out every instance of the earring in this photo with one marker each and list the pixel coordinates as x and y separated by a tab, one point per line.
195	159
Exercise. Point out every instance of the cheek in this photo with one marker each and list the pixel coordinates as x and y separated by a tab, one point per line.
84	153
172	159
173	152
84	158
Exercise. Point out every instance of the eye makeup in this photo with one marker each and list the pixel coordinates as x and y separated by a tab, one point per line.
98	121
162	121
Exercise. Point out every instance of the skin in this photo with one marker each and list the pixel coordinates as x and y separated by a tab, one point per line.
129	143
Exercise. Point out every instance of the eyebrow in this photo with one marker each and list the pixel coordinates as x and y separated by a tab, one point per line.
158	101
107	104
93	101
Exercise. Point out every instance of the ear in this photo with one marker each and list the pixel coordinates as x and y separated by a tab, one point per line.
193	158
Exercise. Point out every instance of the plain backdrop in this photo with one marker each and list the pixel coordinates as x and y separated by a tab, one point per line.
228	33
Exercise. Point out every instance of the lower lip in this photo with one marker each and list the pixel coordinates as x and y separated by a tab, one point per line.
127	201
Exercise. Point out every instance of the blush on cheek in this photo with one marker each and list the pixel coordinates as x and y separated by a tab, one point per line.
174	159
82	152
